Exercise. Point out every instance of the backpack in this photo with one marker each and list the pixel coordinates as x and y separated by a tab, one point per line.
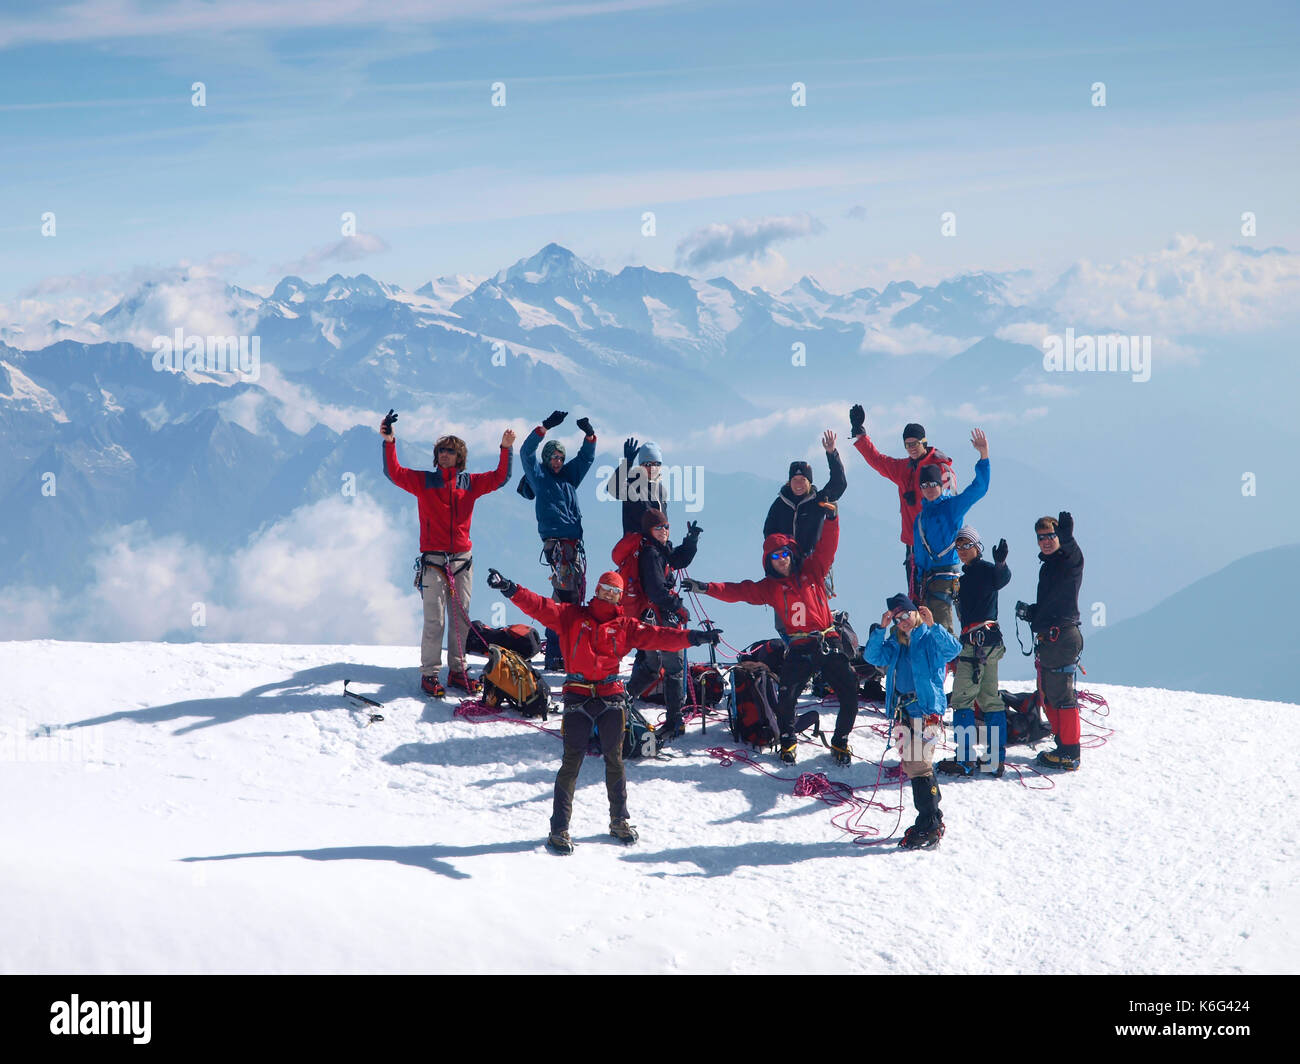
627	556
848	637
707	686
525	489
751	704
639	738
509	679
1025	724
770	652
523	639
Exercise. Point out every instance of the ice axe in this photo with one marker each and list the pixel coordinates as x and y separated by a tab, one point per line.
375	718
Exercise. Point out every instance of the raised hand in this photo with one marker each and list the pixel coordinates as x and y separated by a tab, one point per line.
585	424
556	417
828	441
1000	552
980	442
693	530
1064	525
386	426
508	438
630	448
926	616
497	582
857	420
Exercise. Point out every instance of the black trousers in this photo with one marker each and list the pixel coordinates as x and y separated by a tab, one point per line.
801	661
610	720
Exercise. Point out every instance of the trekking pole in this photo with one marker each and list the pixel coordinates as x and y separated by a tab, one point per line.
713	661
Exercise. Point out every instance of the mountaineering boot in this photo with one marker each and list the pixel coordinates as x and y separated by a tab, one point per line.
996	773
841	751
928	829
953	767
431	687
670	730
462	682
786	744
623	831
559	842
1065	757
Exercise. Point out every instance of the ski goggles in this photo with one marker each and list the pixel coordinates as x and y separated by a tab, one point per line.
609	589
1046	535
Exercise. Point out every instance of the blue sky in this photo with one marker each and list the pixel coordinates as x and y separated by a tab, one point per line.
619	107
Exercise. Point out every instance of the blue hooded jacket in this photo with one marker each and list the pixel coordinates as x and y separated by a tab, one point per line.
929	649
558	513
934	535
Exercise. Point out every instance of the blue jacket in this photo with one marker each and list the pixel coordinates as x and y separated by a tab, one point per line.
929	650
558	513
934	535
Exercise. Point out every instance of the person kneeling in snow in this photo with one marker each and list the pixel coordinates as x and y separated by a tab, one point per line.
796	588
915	654
594	638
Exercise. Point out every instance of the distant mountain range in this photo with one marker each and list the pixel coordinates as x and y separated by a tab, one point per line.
736	381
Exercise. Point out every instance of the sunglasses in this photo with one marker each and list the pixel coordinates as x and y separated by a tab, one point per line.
779	555
1046	535
610	589
446	450
660	528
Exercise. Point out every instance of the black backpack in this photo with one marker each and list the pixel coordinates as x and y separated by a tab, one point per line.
523	639
1025	724
751	704
770	652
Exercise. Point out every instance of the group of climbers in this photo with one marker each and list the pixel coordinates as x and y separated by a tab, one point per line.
945	620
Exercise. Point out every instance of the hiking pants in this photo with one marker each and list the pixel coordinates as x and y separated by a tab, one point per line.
976	681
610	721
1057	688
801	661
568	581
915	743
939	589
441	611
645	670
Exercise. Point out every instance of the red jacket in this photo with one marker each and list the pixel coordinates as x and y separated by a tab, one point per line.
446	506
906	474
800	598
592	648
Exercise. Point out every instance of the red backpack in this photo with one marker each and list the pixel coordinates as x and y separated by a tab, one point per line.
626	555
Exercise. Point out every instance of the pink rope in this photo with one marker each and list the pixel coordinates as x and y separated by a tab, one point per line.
477	712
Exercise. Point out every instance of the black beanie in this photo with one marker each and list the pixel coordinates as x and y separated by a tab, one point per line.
913	432
798	468
900	603
931	473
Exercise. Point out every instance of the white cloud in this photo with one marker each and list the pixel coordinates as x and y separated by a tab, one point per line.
747	238
348	249
1189	286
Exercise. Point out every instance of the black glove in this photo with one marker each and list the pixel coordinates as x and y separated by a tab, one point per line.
1000	552
556	417
693	530
1024	611
1065	525
497	582
389	418
694	585
857	420
909	497
584	424
630	448
711	637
